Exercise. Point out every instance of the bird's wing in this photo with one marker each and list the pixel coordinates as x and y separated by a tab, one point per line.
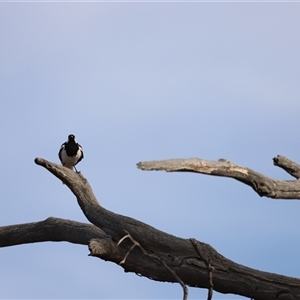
81	149
62	147
81	154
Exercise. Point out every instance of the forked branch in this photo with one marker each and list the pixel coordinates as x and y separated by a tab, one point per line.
263	185
178	254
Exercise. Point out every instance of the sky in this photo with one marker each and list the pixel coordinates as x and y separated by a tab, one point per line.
138	81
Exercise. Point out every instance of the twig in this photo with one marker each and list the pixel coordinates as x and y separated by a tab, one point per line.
208	266
151	255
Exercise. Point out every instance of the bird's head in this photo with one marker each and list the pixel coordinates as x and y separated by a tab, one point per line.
71	137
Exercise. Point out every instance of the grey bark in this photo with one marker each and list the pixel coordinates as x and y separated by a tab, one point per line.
261	184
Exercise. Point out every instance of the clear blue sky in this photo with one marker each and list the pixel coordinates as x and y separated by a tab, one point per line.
145	81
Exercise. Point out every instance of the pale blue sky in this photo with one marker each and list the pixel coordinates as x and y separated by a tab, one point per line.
145	81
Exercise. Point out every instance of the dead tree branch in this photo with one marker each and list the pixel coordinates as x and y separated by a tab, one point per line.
179	254
286	164
262	185
49	230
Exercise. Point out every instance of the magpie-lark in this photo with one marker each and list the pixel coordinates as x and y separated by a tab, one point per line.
70	153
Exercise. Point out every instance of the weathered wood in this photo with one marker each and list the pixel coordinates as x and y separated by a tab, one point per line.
289	166
51	229
177	253
261	184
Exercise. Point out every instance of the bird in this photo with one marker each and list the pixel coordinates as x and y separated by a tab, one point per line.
70	153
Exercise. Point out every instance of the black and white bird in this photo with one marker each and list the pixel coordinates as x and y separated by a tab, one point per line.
70	153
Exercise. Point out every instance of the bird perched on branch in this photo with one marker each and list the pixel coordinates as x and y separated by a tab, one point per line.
70	153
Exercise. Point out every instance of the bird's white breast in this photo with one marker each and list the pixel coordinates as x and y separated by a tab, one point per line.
69	161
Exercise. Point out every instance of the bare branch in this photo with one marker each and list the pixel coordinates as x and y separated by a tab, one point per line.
263	185
179	254
51	229
289	166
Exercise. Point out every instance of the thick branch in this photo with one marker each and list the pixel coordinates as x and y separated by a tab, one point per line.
263	185
51	229
177	253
